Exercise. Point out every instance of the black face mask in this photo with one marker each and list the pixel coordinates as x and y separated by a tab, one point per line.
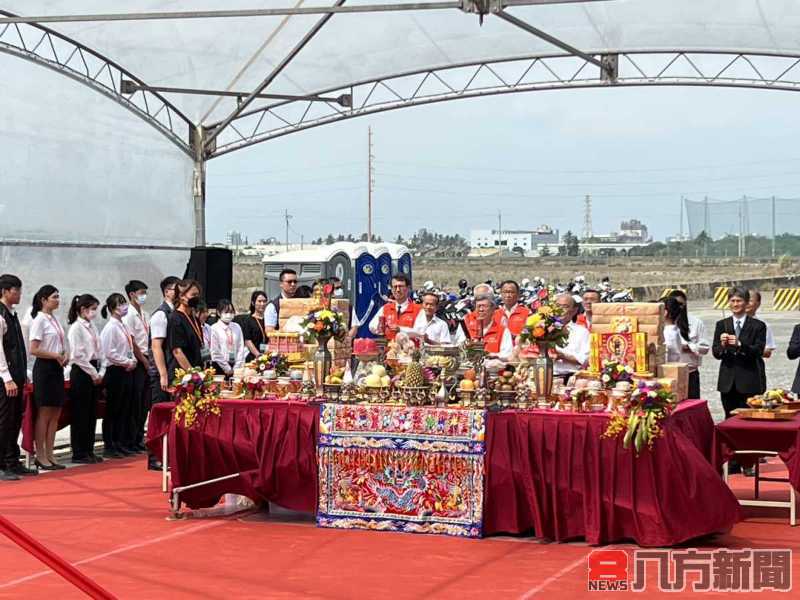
193	302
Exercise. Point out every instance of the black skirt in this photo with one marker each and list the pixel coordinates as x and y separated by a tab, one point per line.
48	383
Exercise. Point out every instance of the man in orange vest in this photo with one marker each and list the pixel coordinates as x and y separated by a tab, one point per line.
589	297
511	315
399	312
482	325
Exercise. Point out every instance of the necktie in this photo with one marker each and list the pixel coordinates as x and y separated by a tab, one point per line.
738	328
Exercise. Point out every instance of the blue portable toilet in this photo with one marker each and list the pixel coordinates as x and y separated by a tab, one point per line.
367	288
401	259
384	260
318	262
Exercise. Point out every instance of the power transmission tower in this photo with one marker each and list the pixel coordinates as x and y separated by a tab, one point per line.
587	217
370	185
500	233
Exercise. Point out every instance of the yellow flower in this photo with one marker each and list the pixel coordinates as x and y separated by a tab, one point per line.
326	314
533	320
546	311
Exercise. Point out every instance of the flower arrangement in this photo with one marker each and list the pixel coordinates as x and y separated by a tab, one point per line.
640	417
195	394
614	372
324	323
270	361
546	327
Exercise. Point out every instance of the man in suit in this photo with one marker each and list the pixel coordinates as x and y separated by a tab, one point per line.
739	343
793	353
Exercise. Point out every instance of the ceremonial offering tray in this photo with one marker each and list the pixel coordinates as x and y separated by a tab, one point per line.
332	392
765	414
415	396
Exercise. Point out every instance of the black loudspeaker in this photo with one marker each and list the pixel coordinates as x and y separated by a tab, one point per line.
213	268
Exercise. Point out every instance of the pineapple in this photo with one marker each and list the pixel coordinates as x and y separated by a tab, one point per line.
413	375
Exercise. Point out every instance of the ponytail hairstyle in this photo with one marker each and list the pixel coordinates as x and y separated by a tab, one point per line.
38	299
254	296
113	302
78	304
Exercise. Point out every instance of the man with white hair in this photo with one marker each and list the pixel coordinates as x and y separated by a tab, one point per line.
482	325
574	356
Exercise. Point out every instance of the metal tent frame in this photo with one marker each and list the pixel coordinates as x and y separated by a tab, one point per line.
249	124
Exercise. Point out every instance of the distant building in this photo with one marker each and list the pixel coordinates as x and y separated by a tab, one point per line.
633	231
509	239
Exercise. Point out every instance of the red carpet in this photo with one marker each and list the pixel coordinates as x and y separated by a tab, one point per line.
110	521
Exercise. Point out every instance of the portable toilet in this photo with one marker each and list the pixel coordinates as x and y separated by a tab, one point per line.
318	262
401	259
384	260
368	298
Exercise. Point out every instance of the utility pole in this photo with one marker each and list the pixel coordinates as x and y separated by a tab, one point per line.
287	216
741	225
500	233
683	201
370	184
587	217
773	227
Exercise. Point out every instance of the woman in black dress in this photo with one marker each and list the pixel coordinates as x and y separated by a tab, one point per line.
255	333
184	330
48	345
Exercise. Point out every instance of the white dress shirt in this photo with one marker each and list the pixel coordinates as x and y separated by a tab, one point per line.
117	345
506	343
374	324
271	314
227	341
578	346
674	343
158	323
436	330
137	324
84	346
48	332
697	342
770	338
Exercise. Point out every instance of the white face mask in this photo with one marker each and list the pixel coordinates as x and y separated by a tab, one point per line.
226	317
141	298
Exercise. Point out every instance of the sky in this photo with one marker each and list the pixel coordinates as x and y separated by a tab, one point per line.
534	156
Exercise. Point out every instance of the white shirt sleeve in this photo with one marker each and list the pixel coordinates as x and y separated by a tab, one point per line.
697	342
5	374
271	316
81	348
158	325
770	339
374	324
115	346
241	349
219	345
506	346
37	330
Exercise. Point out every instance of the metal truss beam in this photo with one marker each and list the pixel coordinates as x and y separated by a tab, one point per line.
273	12
50	49
707	68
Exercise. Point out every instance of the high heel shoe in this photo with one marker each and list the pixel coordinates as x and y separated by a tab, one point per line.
58	466
43	467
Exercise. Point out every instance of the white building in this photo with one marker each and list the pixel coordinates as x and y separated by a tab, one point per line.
510	239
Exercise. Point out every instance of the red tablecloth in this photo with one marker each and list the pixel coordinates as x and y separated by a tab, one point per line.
553	474
272	444
546	472
782	437
29	416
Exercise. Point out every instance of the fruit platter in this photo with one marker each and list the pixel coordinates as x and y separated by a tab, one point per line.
772	405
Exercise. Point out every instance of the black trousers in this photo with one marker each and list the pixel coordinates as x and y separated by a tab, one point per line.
694	385
733	400
83	395
117	427
10	424
140	403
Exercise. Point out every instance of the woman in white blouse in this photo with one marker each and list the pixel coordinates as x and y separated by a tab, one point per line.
84	377
116	343
676	329
49	346
227	341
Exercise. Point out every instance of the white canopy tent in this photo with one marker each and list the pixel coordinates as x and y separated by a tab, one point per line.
197	71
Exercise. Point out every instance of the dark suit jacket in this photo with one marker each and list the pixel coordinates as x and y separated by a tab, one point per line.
739	368
793	352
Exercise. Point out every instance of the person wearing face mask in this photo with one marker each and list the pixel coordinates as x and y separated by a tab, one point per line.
184	330
119	359
13	373
85	378
49	346
137	322
253	327
227	341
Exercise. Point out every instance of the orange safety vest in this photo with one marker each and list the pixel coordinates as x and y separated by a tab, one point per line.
492	337
393	320
581	320
514	323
